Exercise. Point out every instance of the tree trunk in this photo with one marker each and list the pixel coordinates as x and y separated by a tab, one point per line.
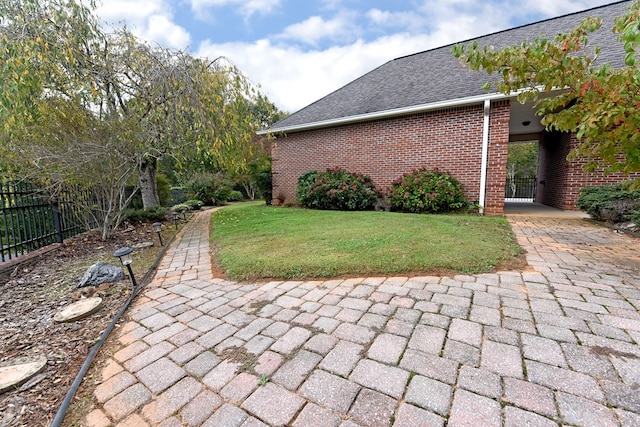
148	183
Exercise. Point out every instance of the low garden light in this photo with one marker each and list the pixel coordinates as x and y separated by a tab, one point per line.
126	259
175	216
157	227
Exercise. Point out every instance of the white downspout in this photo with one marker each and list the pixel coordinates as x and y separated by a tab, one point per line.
485	152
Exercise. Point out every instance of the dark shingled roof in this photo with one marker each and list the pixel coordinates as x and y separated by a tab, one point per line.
436	75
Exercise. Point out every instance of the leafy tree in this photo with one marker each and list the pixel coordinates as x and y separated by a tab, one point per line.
81	106
598	101
522	159
50	132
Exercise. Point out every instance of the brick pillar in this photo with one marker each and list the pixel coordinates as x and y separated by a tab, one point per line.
498	149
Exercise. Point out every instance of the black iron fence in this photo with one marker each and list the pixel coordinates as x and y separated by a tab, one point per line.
30	219
523	188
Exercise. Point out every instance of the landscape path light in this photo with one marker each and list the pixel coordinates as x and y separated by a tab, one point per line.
175	215
124	254
157	227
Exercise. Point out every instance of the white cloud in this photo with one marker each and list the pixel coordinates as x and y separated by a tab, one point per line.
151	20
166	33
293	78
342	27
562	7
245	7
407	20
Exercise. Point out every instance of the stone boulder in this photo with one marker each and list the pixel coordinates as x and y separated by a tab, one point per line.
100	273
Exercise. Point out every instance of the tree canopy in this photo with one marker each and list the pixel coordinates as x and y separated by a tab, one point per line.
82	106
597	101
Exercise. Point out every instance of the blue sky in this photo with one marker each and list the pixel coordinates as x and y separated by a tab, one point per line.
300	50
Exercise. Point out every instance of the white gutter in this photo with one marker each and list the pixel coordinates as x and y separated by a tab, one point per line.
485	152
387	113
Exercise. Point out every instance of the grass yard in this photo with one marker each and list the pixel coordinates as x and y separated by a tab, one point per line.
255	241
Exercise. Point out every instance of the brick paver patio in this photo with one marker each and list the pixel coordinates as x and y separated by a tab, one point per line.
554	345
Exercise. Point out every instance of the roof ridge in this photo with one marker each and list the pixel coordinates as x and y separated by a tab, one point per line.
579	12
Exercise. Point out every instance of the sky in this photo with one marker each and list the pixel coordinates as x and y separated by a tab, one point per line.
298	51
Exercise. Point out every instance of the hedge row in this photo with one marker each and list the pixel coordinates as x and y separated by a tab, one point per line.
421	191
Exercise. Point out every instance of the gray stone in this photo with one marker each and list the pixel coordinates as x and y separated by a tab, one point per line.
100	273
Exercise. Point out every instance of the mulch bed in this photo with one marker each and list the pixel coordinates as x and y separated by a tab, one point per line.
31	294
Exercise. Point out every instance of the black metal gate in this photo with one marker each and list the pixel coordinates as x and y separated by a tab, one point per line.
30	219
520	188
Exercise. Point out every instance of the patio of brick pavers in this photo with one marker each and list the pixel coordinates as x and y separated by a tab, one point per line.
555	345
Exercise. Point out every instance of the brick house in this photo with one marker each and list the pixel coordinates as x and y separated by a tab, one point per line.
426	110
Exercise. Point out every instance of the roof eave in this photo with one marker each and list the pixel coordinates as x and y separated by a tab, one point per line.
440	105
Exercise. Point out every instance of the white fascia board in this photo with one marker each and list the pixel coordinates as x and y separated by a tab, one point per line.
440	105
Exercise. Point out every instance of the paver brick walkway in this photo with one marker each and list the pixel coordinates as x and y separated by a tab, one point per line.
555	345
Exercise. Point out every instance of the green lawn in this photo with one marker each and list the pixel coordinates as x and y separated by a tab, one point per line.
255	241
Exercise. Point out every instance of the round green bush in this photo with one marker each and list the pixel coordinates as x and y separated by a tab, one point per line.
426	191
336	189
214	189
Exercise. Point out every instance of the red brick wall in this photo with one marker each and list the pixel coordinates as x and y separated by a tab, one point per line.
552	169
450	140
564	179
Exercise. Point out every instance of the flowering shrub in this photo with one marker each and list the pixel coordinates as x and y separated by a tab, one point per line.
336	189
425	191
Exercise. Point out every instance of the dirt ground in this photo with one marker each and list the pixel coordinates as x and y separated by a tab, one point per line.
31	294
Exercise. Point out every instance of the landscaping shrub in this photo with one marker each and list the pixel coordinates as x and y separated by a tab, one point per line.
337	189
152	214
426	191
611	203
235	196
212	189
193	205
305	183
188	205
264	182
182	207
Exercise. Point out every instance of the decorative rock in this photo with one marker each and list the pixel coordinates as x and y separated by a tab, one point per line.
19	371
142	245
100	273
78	310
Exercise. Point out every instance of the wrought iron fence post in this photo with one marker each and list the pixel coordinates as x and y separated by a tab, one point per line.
57	220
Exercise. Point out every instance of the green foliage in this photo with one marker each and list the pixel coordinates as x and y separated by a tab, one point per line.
611	203
181	207
597	102
235	196
152	214
522	159
264	182
164	189
194	204
426	191
337	189
305	183
83	106
213	189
